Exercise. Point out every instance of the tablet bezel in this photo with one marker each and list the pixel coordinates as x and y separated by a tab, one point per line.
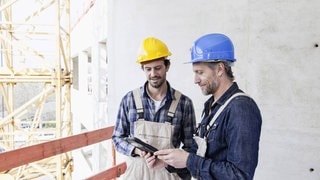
138	143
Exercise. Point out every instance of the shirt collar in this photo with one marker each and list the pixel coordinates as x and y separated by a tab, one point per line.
169	95
232	90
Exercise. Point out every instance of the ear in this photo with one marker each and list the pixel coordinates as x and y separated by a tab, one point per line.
220	69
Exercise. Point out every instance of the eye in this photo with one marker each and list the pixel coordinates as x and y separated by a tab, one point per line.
198	72
147	69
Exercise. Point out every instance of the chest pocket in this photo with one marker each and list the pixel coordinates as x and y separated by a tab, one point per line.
213	124
154	133
211	133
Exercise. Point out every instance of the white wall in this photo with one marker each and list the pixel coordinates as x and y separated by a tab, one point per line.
278	65
89	109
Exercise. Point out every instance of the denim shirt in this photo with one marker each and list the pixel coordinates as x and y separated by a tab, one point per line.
232	141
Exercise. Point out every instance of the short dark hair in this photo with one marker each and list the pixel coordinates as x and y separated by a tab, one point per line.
165	60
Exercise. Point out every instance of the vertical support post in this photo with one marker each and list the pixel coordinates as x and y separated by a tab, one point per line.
57	83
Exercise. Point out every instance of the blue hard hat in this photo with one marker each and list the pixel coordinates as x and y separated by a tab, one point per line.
212	47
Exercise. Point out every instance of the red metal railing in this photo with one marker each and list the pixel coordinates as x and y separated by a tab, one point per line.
25	155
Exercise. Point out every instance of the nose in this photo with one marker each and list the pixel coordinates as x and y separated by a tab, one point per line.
153	72
196	79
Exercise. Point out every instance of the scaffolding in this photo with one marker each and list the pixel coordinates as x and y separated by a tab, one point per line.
35	59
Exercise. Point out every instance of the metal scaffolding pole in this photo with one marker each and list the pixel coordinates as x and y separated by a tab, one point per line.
35	52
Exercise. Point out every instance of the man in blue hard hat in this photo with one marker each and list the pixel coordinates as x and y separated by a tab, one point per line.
227	141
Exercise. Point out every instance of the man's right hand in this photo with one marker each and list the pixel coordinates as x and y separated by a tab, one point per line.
153	162
138	152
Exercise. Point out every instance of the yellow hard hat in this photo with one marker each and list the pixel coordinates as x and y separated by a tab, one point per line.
152	48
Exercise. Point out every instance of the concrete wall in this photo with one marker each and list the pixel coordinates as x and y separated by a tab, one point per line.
89	100
276	44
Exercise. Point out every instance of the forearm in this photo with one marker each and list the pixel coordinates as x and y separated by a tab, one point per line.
208	169
122	146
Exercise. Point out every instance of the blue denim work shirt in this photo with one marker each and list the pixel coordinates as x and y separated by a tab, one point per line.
232	141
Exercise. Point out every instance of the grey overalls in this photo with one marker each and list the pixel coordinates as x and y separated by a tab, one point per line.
156	134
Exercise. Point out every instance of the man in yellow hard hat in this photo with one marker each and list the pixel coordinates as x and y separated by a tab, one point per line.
156	114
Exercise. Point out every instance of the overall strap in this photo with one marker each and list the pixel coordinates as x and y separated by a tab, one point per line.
216	115
172	109
138	101
173	106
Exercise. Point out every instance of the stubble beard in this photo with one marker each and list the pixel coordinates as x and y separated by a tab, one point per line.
157	84
210	88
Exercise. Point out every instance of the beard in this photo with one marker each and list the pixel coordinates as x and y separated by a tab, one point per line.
156	82
210	88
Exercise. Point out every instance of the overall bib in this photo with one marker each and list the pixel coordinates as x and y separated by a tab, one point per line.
156	134
202	142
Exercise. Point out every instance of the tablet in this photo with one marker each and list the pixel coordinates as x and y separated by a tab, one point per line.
141	145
